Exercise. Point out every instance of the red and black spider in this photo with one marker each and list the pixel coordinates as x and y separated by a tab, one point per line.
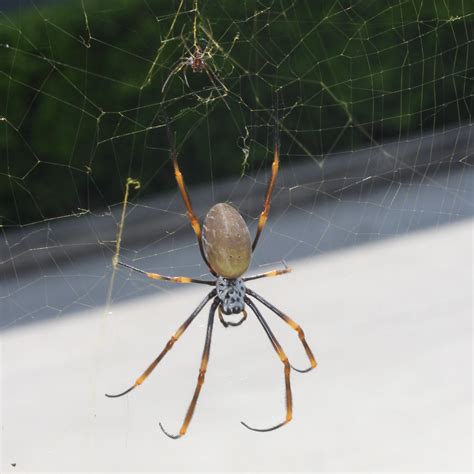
226	248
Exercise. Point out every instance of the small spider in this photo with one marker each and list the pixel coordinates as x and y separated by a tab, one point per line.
226	248
198	62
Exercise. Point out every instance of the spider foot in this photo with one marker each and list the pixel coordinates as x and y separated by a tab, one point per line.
120	394
264	430
302	371
168	434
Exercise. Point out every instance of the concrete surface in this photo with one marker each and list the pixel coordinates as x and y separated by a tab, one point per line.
389	322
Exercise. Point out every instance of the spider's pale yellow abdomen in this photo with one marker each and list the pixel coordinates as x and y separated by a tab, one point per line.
226	241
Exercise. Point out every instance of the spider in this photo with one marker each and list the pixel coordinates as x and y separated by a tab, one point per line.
197	61
226	248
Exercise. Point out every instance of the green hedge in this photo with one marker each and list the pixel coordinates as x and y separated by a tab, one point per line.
79	116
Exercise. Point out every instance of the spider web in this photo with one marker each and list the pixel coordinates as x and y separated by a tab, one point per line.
371	101
355	167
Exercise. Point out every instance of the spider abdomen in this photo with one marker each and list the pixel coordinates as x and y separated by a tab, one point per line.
226	241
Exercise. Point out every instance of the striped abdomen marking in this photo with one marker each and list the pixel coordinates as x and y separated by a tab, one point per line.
226	241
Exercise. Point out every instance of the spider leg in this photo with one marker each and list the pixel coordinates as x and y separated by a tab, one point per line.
213	78
268	196
175	70
201	376
284	359
187	201
293	325
190	53
271	273
168	346
186	79
223	95
157	276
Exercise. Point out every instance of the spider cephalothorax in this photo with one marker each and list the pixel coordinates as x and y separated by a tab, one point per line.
197	61
232	294
227	249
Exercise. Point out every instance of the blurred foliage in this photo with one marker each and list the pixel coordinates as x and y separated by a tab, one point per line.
82	106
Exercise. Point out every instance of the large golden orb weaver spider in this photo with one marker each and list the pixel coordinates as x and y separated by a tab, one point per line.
226	248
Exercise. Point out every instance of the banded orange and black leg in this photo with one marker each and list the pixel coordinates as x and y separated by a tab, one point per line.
271	273
268	195
293	325
287	368
174	279
201	376
187	201
168	346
